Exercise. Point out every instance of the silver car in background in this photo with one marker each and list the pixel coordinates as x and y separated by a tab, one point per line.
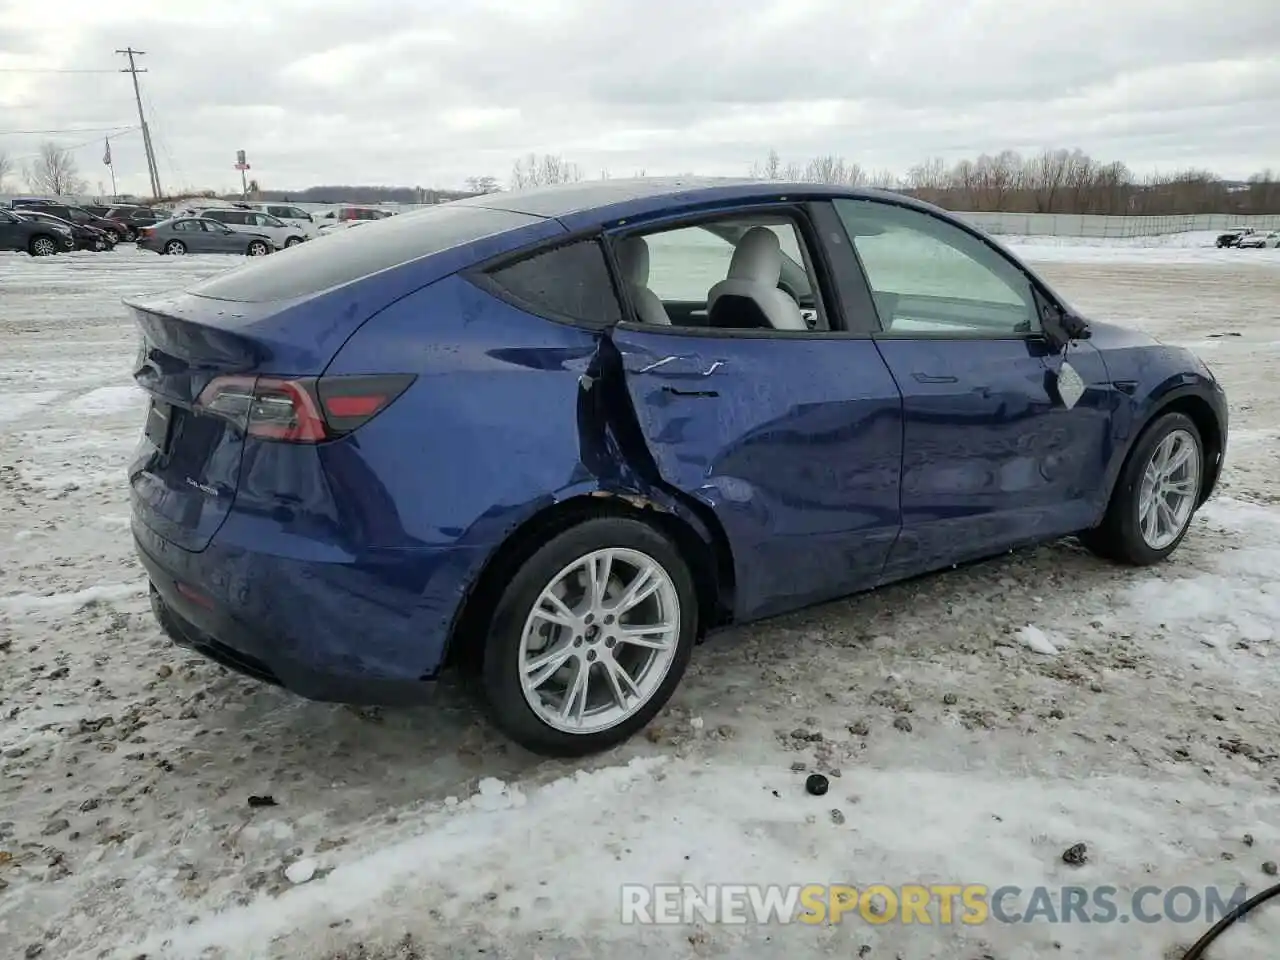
182	235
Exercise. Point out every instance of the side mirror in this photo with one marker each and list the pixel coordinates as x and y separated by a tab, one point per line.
1062	326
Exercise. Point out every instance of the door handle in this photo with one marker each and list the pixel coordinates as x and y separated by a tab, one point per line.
676	391
934	378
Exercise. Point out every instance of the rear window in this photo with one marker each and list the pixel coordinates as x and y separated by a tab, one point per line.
332	261
570	282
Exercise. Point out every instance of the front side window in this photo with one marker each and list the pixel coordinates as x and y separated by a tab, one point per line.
930	277
570	282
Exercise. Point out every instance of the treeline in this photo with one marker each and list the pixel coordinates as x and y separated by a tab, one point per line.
1055	181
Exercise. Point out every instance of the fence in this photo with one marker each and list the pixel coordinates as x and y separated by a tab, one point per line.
1087	225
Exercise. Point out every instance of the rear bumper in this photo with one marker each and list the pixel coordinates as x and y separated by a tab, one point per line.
340	651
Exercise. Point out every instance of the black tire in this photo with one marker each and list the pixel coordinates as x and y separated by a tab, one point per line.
500	676
175	248
292	242
1118	537
258	249
130	235
113	237
42	245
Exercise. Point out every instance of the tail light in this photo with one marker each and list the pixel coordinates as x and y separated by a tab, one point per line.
304	410
145	231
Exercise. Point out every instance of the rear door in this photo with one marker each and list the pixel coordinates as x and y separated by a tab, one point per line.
1005	436
792	437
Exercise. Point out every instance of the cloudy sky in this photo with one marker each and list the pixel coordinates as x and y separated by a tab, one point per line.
427	93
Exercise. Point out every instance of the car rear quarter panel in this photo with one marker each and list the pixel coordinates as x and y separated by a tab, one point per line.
504	420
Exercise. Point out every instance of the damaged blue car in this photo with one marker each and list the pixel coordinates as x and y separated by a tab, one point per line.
553	437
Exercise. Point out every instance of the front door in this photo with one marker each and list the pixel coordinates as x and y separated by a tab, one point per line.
12	236
1003	435
791	437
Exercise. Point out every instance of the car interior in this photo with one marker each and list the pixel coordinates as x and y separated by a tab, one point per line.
742	273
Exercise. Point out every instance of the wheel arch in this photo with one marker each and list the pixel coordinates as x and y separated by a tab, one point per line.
1191	401
692	527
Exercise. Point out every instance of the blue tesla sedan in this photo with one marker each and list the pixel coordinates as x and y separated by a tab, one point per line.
553	437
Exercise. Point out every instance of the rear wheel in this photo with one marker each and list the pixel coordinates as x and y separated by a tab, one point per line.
175	248
43	246
590	638
258	249
1156	495
113	236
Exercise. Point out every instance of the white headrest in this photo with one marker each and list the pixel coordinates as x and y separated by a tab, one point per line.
633	260
757	257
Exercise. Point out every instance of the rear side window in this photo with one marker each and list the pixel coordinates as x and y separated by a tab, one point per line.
570	282
351	254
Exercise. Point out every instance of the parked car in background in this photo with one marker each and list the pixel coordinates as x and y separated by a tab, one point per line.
74	214
33	236
130	219
85	237
1257	240
183	235
341	217
530	435
294	216
1232	238
280	233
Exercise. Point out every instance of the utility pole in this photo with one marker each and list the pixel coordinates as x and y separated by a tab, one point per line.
152	169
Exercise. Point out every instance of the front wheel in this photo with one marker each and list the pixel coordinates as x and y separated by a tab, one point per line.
293	241
258	249
1155	496
590	638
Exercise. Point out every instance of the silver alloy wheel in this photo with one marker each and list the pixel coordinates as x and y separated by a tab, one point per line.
44	247
175	248
599	641
1170	486
258	249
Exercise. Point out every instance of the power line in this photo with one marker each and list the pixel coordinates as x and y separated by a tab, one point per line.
47	70
22	133
119	132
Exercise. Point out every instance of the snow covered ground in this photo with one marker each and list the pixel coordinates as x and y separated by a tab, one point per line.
1138	716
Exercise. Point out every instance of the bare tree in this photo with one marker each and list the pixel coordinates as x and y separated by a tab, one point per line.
535	171
54	173
833	169
6	168
484	184
770	169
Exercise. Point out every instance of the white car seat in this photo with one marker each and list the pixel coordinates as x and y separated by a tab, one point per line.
633	261
749	298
